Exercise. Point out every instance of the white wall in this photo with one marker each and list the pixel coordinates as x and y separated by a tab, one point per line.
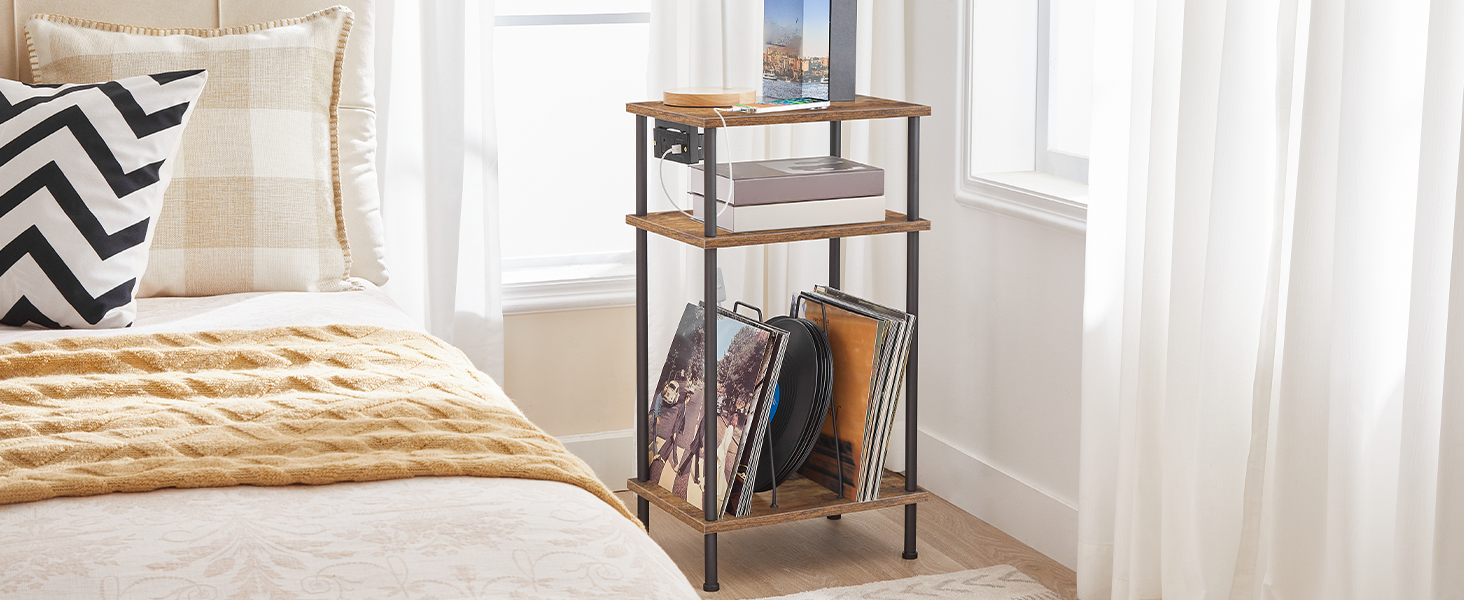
573	374
1001	332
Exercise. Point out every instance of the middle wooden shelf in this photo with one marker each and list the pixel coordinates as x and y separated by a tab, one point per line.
676	225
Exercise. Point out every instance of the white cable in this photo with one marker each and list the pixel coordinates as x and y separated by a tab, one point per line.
732	183
661	176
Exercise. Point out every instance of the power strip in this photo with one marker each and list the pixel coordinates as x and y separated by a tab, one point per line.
668	136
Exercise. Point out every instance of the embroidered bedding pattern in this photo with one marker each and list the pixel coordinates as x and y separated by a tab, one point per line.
410	539
255	203
82	174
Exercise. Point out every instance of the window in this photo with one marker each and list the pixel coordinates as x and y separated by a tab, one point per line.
1026	112
1064	87
563	72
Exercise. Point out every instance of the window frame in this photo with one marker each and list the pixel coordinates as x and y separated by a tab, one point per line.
1025	193
1053	162
571	281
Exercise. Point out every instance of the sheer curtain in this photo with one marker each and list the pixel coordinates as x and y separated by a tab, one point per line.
719	43
1274	313
439	168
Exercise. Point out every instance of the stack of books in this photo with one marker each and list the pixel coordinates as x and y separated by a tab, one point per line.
792	192
871	345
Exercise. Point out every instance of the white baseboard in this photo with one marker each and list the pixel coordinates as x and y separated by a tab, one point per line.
1048	524
611	454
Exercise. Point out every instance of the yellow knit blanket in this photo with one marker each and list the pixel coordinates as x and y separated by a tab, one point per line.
81	416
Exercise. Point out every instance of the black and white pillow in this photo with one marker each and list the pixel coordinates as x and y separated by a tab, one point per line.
83	168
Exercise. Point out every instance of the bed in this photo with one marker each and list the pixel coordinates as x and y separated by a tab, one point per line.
424	537
452	507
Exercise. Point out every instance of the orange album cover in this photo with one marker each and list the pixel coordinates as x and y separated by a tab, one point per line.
852	340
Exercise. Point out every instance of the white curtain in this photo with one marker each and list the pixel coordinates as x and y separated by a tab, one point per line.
1274	313
438	161
719	43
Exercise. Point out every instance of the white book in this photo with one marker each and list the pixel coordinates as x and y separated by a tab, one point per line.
788	215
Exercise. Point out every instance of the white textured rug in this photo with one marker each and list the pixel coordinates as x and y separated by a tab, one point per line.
1001	582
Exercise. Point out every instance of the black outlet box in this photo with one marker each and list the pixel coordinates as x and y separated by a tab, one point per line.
670	134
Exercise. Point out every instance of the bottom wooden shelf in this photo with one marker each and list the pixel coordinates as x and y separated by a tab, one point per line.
798	499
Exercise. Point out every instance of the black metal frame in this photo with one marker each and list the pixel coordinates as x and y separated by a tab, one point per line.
709	373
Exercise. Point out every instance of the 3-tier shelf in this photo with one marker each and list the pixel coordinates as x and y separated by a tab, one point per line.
797	498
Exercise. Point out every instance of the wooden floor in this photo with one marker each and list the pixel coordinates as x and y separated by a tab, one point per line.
859	548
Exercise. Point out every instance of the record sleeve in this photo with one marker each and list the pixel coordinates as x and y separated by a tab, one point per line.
890	385
852	340
746	353
750	455
886	345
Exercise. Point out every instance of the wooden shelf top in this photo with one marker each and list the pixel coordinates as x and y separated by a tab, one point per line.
798	499
677	226
862	107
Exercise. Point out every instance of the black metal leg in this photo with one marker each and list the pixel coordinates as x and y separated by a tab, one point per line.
835	147
642	327
912	306
709	389
643	511
834	270
709	372
710	552
910	553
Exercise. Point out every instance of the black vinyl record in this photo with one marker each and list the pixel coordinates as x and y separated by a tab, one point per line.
802	401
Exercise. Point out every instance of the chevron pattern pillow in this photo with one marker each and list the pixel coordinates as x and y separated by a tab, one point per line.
82	174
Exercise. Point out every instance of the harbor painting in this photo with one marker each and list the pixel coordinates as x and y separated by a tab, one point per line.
795	49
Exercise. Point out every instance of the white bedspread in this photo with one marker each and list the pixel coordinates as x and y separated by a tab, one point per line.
246	311
440	538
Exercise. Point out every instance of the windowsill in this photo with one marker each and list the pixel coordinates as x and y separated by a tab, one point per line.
1031	196
565	283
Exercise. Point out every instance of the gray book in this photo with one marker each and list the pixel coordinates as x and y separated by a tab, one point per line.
792	180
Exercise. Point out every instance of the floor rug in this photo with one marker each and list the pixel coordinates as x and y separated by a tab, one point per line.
1001	582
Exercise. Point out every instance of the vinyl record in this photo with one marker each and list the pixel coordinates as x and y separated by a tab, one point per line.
823	398
824	390
801	401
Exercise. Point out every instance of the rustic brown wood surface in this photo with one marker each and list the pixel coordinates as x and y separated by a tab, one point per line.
798	499
708	96
859	548
677	226
862	107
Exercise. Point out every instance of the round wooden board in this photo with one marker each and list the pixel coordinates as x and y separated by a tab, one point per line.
702	97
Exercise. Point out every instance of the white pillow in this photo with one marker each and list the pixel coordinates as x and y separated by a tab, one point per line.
83	169
256	204
360	198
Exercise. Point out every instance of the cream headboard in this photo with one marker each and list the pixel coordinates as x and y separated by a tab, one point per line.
178	13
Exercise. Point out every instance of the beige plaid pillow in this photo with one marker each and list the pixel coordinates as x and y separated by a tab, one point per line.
255	203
